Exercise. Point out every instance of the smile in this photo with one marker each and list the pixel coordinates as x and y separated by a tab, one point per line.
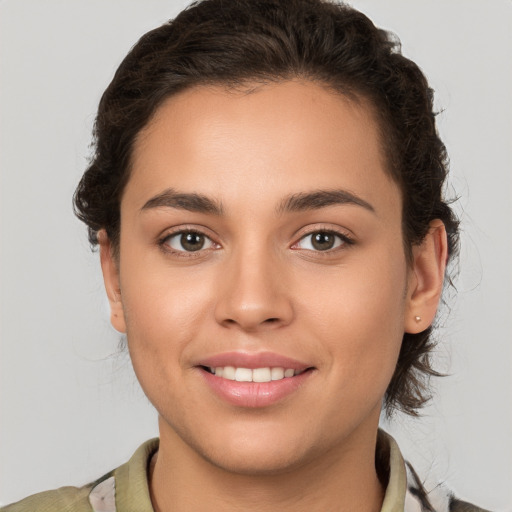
266	374
260	379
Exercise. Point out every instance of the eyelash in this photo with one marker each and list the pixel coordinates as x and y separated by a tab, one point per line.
167	248
343	242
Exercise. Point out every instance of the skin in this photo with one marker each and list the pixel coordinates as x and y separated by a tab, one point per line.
260	285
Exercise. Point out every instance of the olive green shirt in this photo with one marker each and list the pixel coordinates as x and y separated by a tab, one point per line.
125	489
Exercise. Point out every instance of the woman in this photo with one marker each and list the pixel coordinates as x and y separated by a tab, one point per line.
266	195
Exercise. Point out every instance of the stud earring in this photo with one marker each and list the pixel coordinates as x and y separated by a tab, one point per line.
417	318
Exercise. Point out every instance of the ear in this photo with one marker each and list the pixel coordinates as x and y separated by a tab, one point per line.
109	267
426	279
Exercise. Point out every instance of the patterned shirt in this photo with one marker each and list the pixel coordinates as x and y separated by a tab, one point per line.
125	489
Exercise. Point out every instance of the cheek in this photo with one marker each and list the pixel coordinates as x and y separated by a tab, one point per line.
358	310
163	312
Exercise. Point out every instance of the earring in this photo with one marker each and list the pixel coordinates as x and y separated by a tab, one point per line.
417	318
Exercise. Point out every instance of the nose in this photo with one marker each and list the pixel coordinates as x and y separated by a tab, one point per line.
253	293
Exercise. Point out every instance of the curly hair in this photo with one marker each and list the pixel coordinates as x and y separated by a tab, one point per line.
239	42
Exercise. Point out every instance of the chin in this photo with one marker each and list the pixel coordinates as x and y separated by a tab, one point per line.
252	451
256	463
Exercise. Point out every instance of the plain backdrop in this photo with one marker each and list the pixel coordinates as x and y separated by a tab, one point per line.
71	408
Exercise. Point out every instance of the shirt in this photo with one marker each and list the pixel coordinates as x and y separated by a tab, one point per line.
125	489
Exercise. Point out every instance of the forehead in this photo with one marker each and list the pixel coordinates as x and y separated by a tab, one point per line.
279	138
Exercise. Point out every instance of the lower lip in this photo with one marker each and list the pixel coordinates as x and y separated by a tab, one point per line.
254	394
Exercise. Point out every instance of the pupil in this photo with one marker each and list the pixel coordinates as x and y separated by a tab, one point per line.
323	241
192	241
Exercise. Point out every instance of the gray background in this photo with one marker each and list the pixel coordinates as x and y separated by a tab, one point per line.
71	408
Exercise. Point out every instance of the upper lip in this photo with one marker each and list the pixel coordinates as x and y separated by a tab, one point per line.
252	360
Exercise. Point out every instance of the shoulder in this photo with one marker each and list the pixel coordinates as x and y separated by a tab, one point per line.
406	490
438	499
124	488
65	499
94	497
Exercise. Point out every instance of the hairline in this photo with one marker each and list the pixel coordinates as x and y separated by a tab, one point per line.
250	85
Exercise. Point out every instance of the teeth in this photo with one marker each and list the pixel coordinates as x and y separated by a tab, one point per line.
256	375
243	375
228	372
277	373
261	375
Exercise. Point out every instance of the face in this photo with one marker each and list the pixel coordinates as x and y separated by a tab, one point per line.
261	239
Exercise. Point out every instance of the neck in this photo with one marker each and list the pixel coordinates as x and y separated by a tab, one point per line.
343	479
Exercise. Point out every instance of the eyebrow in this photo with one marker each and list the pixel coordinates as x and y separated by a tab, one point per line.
321	199
192	202
301	201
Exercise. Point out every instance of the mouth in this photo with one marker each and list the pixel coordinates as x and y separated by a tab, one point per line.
261	375
254	380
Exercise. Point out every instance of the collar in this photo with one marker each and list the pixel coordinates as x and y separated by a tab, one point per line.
127	490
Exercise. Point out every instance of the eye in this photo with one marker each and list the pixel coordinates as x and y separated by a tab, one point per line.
188	241
322	241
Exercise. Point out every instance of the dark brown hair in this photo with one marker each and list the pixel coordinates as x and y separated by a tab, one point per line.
239	42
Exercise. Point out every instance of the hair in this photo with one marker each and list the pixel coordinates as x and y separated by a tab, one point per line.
236	43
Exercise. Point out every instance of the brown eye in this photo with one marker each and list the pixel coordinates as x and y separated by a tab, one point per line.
192	241
321	241
188	241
